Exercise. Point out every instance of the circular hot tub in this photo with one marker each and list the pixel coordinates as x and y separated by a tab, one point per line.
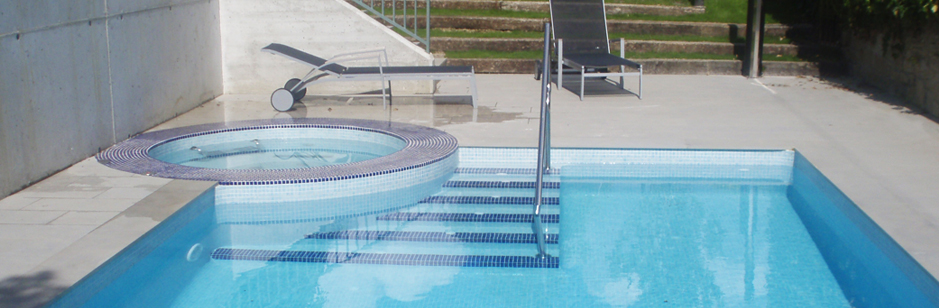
281	150
289	170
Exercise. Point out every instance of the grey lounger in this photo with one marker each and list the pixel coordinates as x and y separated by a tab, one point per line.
582	42
330	70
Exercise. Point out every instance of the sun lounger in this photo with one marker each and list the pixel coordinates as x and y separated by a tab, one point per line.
582	42
331	70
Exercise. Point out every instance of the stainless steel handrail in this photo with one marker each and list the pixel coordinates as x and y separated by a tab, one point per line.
544	145
393	20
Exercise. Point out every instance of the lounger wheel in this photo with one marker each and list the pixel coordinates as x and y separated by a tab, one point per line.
282	99
296	95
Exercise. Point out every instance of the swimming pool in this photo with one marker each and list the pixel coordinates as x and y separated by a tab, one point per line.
628	228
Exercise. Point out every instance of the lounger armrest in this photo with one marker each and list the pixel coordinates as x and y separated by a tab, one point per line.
380	53
349	59
633	64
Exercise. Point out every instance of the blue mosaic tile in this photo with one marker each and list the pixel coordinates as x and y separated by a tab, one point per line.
489	200
418	236
500	184
469	217
383	258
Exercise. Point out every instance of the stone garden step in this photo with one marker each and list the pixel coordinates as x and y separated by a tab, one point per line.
520	44
541	6
665	66
621	26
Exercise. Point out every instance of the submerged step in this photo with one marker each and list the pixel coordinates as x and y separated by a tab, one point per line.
383	258
468	217
500	184
489	200
507	171
417	236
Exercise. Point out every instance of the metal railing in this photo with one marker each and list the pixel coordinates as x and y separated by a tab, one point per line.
378	7
544	144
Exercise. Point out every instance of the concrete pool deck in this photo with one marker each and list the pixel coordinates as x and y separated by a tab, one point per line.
880	154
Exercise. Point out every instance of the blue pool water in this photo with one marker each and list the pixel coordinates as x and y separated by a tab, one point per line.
655	232
269	149
276	154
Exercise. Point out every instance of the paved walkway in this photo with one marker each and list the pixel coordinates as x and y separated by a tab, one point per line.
883	156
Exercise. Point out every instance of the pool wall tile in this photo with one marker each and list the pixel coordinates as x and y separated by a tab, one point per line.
90	285
330	199
872	269
770	166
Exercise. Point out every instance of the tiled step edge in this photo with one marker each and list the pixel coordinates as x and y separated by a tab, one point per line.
500	184
469	217
488	200
386	259
420	236
499	171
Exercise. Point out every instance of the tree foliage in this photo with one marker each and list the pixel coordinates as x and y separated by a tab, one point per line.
878	14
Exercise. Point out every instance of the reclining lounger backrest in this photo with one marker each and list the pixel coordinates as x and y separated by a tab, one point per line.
304	57
581	24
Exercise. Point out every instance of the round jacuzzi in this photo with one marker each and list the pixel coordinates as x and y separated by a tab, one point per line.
288	170
281	151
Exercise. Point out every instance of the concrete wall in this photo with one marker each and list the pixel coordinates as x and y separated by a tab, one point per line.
77	76
910	69
321	27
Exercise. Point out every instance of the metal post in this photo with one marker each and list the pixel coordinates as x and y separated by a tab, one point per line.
543	135
426	25
755	24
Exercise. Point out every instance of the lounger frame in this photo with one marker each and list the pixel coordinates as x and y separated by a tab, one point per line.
588	69
331	70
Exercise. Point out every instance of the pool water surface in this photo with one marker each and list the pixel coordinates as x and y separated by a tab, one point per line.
637	228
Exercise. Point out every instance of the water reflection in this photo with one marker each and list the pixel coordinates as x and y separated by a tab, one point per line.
691	245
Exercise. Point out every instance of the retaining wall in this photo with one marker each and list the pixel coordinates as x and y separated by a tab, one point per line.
78	76
321	27
909	69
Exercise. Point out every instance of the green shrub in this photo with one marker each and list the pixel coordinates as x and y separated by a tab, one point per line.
878	14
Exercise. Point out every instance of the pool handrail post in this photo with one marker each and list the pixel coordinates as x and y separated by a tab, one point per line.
543	146
403	26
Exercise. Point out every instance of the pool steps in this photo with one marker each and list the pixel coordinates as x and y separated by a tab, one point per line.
480	218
